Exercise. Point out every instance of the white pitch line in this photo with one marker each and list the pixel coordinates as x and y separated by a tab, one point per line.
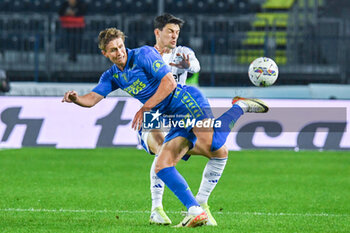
175	212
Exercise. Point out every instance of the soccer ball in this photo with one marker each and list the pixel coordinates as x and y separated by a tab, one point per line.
263	72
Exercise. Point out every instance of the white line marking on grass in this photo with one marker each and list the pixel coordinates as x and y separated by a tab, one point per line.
175	212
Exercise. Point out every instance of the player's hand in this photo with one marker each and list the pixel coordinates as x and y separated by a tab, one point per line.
138	118
70	97
184	63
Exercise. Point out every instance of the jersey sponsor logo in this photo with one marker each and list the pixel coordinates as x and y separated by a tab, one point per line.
116	76
135	87
157	64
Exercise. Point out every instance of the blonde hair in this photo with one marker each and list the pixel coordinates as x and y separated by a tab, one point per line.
108	35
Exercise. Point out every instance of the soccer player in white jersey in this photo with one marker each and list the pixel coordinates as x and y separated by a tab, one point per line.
181	60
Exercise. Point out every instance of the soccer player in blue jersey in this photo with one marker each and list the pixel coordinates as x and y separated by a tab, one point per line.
143	74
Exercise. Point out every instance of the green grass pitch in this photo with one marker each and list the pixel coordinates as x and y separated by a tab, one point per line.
107	190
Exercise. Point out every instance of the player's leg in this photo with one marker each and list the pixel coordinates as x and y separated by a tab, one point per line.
210	143
199	109
155	139
213	141
171	152
197	106
194	104
151	141
229	118
212	171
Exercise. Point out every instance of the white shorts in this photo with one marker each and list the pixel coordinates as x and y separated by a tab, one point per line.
143	137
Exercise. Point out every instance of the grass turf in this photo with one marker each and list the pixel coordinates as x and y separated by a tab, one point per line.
107	190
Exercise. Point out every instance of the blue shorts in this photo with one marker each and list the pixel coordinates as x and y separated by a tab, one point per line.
187	101
143	135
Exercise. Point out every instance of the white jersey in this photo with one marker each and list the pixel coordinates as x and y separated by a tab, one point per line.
180	75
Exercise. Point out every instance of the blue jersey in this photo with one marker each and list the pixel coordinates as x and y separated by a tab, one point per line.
140	78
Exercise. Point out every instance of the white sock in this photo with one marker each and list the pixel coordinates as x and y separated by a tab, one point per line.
195	210
157	187
244	106
211	175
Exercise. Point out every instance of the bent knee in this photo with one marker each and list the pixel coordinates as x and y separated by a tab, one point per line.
225	151
161	164
155	141
157	168
155	147
222	153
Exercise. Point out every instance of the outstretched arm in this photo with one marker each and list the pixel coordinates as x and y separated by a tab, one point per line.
166	86
89	100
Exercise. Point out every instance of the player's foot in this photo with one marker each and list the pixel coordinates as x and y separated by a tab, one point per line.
250	105
211	219
158	216
194	220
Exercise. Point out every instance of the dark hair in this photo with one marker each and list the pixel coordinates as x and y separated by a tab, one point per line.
162	20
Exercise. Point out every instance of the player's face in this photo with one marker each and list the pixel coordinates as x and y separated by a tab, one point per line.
116	52
169	35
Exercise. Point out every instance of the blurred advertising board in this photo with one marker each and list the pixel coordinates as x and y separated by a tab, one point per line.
290	124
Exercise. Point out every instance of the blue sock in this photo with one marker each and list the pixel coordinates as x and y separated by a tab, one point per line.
178	185
228	120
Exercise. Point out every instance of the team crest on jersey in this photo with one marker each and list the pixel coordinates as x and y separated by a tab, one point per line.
157	65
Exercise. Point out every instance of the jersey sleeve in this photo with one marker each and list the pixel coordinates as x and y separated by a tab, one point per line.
105	85
152	62
194	63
